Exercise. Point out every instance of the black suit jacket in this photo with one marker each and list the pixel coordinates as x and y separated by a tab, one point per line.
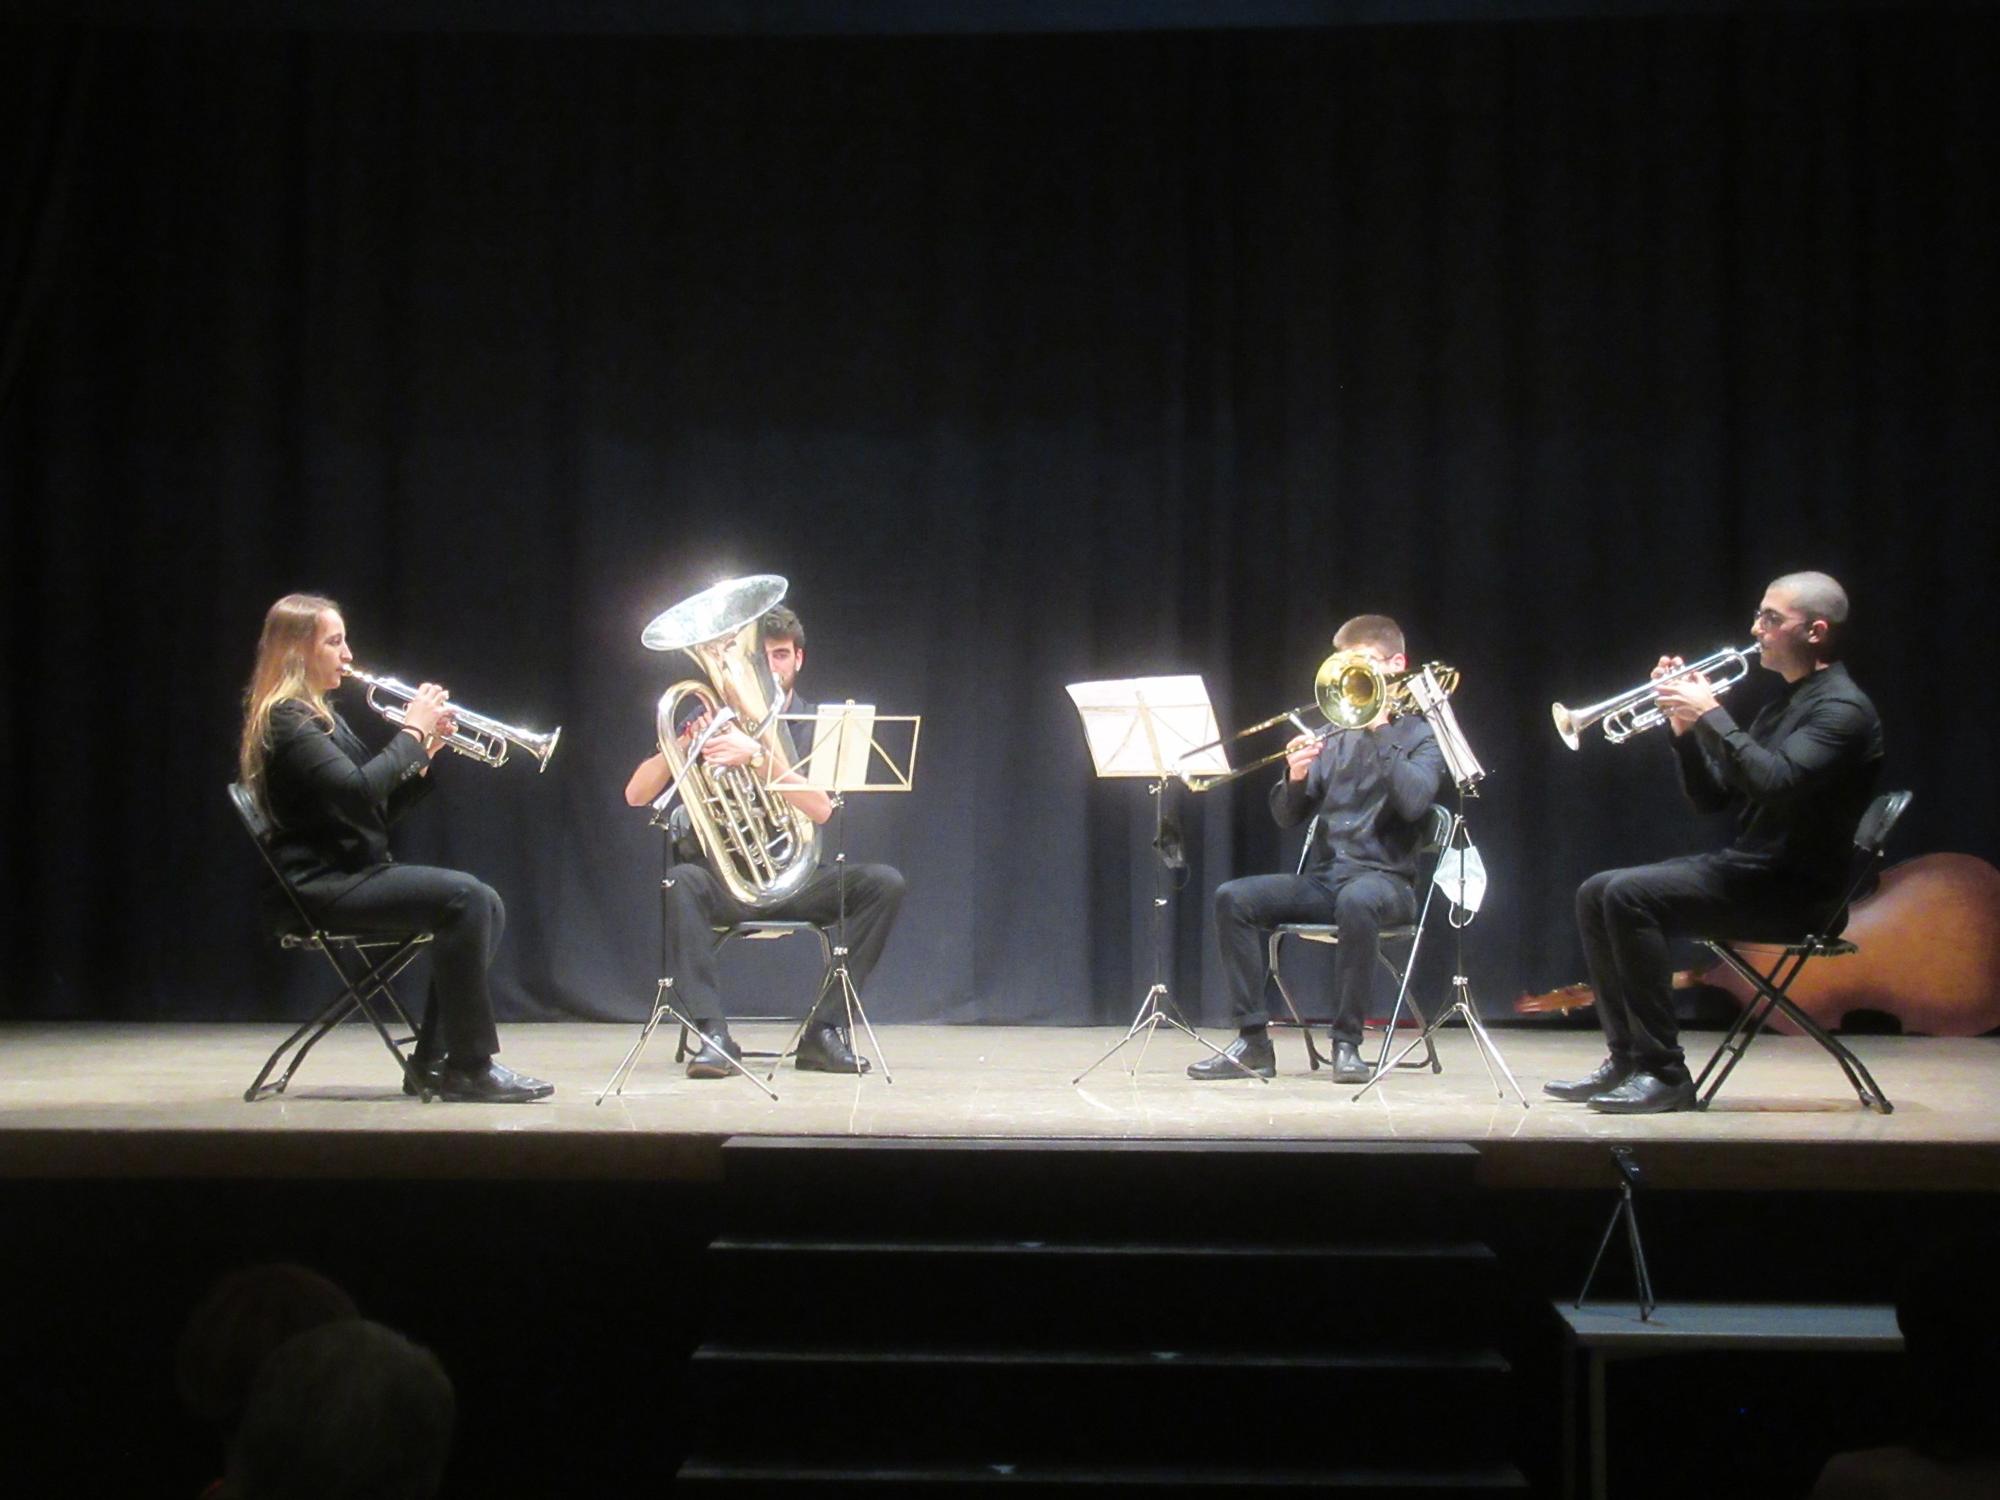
331	800
1799	778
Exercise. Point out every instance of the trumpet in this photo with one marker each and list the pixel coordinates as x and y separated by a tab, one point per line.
485	740
1350	690
1637	710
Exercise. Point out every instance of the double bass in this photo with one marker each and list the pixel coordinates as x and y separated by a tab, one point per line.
1929	941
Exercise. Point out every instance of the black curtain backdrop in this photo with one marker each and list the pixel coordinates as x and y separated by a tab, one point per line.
1028	359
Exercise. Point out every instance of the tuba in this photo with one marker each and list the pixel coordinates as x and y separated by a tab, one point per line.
762	847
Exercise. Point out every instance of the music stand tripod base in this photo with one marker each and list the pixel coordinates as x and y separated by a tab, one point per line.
850	997
665	1010
1461	1006
1155	1011
1489	1053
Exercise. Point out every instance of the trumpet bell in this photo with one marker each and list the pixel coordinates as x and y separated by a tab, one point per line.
1567	726
541	746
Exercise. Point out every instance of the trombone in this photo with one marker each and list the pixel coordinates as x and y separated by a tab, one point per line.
1350	690
485	740
1637	710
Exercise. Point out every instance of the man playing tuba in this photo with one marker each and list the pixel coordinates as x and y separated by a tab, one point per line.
698	904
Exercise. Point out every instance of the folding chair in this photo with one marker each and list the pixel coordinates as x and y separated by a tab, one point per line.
365	962
664	1003
1771	985
1408	935
754	932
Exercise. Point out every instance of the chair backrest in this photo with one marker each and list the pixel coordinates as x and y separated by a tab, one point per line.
1437	828
1873	831
250	814
1870	835
259	827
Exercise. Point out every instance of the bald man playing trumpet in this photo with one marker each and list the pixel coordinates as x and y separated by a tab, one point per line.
1799	779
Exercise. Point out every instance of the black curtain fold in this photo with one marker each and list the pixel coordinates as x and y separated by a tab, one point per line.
1028	360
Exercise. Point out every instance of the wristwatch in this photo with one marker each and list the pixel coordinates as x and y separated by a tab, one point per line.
757	759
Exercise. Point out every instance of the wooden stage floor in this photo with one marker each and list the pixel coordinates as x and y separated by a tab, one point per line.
153	1100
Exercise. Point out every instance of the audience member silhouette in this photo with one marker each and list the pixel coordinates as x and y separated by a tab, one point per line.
1949	1312
246	1315
349	1411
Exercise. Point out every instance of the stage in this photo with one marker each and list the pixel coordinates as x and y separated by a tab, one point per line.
165	1100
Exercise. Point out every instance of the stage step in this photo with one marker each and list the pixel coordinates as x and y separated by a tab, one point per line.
917	1480
1329	1191
1423	1294
927	1316
1094	1407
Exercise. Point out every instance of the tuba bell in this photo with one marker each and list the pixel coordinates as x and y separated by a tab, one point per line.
763	848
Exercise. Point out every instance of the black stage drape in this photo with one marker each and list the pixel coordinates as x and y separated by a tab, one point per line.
1028	359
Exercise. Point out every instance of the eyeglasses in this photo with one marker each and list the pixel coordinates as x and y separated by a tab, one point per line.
1770	619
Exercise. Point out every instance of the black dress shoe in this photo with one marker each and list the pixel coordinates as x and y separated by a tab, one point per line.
491	1084
1646	1094
1246	1057
1610	1073
1348	1066
824	1049
711	1058
429	1072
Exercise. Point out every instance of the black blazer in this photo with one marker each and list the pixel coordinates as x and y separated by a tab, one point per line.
332	802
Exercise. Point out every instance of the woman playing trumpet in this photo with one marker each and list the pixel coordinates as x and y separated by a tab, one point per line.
331	803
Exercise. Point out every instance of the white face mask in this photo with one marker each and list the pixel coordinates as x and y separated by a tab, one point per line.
1461	875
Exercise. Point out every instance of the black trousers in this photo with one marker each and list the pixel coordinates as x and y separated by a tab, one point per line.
1361	901
1627	916
465	917
696	904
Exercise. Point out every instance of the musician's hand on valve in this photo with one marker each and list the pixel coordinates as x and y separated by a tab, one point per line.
1668	665
731	747
1685	700
1300	753
423	713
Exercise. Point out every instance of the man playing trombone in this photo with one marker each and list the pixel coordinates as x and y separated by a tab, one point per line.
1800	778
1370	789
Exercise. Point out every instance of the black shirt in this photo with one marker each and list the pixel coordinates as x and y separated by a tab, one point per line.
331	800
1372	790
1801	776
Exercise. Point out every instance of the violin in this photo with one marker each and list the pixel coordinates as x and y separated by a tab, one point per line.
1929	941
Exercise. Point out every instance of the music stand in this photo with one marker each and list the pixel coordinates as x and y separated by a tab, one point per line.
1453	876
664	1008
847	757
1158	728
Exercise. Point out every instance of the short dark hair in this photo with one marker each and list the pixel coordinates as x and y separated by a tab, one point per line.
781	624
1379	631
349	1411
246	1315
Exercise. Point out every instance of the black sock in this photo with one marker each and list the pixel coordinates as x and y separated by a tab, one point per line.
1258	1033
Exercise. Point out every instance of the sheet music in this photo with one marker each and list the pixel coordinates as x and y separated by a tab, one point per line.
1146	726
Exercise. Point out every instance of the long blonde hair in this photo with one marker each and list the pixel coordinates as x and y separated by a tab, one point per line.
290	628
